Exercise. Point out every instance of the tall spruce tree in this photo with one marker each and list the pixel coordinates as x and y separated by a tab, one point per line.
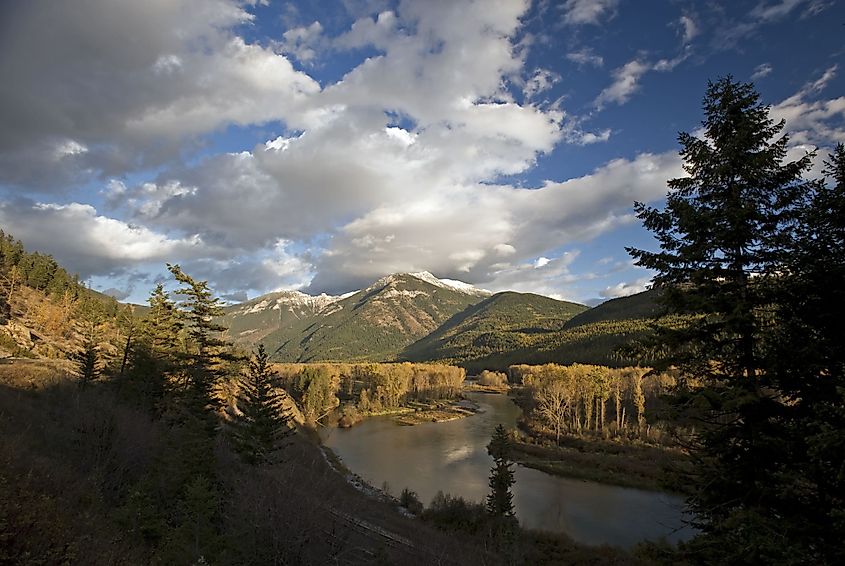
721	239
807	362
162	324
500	498
265	419
208	351
156	354
87	358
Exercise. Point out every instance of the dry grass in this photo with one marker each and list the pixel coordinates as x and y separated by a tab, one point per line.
34	374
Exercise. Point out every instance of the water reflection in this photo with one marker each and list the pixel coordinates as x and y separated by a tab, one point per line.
452	457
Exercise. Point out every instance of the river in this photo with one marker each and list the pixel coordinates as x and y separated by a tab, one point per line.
452	457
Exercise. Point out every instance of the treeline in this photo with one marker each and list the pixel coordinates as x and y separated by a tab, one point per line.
582	399
33	269
46	298
369	388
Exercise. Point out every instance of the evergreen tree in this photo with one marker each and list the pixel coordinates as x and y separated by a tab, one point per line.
807	362
721	236
265	421
155	357
162	325
87	359
208	352
500	498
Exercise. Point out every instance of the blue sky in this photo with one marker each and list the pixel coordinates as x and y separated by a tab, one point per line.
320	146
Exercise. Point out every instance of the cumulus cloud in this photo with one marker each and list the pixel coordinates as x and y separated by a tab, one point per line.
588	138
541	81
99	245
402	164
485	234
392	131
80	100
626	81
303	42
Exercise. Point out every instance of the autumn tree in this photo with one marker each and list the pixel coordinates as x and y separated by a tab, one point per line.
552	404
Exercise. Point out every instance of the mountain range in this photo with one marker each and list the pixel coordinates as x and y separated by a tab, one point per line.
418	317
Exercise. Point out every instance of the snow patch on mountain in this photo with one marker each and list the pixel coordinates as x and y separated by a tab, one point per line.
290	300
452	284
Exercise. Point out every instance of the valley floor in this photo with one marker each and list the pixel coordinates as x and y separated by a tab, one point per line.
72	462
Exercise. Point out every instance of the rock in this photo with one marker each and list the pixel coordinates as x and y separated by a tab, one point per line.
19	333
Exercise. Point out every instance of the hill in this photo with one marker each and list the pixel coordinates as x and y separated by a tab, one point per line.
501	323
640	306
44	310
374	324
491	335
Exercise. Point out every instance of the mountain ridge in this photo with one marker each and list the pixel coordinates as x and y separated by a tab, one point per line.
374	323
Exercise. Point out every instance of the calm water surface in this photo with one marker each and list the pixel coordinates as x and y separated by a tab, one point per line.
452	457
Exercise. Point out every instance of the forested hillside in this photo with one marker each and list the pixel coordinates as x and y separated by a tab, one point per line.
46	312
502	323
529	329
374	324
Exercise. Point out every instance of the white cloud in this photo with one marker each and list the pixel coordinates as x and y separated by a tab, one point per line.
579	12
130	82
541	262
401	165
625	289
760	71
689	28
810	120
626	79
585	56
303	42
99	244
625	83
458	230
588	138
541	81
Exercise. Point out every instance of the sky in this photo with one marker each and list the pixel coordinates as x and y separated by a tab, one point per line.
268	145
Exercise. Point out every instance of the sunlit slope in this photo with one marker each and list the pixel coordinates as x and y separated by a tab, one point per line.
374	324
479	341
502	323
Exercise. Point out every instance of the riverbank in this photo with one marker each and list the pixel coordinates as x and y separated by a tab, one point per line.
604	461
439	412
416	412
457	517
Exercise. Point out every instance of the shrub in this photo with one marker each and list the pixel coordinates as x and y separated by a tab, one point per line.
410	501
493	379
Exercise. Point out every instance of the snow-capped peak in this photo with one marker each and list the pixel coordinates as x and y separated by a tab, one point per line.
288	299
452	284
